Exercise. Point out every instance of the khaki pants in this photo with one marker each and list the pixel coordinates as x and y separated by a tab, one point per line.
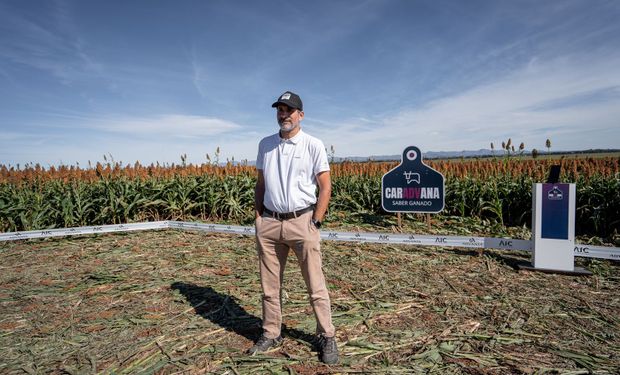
274	238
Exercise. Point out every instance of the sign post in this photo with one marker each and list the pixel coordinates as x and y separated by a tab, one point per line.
412	186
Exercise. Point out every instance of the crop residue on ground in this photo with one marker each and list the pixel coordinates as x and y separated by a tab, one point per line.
182	302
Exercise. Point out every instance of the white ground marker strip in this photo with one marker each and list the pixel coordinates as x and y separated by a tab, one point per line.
44	233
601	252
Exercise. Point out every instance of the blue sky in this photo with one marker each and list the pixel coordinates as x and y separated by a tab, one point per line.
151	80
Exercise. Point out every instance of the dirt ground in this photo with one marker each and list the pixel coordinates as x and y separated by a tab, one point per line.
182	302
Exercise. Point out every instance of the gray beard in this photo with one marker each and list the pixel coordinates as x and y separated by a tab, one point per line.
288	128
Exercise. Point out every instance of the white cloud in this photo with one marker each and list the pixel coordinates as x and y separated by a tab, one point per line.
182	126
199	76
158	138
10	136
55	48
522	105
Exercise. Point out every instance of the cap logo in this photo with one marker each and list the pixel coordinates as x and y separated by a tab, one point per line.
286	96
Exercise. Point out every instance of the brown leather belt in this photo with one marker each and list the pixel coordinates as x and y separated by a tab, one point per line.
287	215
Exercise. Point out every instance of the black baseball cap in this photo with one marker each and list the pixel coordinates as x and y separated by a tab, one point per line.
290	99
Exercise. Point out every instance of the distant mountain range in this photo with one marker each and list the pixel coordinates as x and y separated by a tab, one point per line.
453	155
426	155
465	154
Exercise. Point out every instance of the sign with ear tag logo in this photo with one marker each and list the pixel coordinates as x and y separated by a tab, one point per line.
412	186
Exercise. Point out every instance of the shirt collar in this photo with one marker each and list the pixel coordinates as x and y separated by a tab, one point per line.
295	140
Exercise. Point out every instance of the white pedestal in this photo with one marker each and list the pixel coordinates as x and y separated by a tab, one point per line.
553	227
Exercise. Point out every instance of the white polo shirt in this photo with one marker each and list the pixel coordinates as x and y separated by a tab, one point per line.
290	167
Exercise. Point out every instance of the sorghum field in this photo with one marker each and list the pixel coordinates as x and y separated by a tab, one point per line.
187	302
495	190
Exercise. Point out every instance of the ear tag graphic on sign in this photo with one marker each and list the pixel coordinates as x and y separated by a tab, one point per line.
412	186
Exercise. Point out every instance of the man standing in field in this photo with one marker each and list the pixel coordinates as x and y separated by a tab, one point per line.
290	165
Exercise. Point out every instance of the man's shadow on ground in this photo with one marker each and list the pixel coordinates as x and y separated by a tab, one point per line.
223	310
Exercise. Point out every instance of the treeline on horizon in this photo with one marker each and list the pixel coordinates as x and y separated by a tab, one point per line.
493	189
